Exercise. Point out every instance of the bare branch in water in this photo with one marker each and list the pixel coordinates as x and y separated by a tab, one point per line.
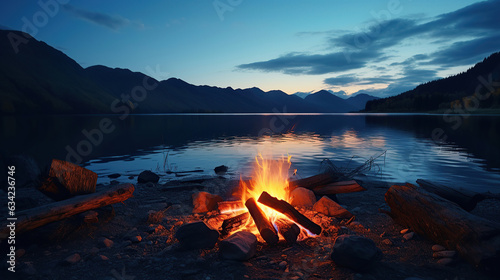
327	166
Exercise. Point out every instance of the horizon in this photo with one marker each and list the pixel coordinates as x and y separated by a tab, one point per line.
384	49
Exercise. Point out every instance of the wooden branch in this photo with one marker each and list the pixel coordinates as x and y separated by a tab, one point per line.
476	239
233	223
339	187
228	206
266	229
289	230
464	198
313	181
35	217
288	210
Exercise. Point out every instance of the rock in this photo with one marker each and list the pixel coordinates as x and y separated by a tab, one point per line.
331	208
355	252
283	264
445	261
20	253
205	202
408	236
136	239
90	217
221	170
114	175
302	197
148	176
103	258
437	248
240	246
94	250
444	254
72	259
105	242
387	242
196	235
404	231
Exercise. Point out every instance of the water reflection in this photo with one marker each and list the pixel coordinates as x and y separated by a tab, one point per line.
470	156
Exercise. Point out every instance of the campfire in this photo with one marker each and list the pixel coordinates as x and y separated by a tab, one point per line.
263	207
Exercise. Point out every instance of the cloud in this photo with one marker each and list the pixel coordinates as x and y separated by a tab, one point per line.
109	21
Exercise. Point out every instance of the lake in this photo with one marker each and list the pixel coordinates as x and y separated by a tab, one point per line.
460	151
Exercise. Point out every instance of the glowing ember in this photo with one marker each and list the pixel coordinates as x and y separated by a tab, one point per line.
271	176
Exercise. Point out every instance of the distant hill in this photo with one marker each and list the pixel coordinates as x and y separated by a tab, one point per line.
453	92
41	79
329	102
359	101
302	94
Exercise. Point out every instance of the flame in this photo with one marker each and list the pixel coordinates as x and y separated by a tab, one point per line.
270	175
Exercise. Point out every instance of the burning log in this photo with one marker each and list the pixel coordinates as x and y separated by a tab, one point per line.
266	229
444	222
289	230
227	206
314	181
465	199
35	217
233	223
288	210
339	187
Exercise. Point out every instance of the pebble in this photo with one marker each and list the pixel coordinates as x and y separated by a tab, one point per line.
294	277
136	239
444	254
445	261
20	253
409	235
403	231
73	259
108	243
104	258
437	248
387	242
283	264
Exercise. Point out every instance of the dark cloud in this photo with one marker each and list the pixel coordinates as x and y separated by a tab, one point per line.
109	21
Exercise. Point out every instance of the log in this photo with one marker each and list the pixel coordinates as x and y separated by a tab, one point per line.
339	187
233	223
66	180
288	210
314	181
464	198
476	239
266	229
289	230
230	206
35	217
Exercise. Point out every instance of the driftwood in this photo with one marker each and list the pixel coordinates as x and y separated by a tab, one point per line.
230	206
464	198
289	230
266	229
476	239
66	180
339	187
314	181
288	210
35	217
234	222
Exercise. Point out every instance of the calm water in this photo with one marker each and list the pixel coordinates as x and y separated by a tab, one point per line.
469	156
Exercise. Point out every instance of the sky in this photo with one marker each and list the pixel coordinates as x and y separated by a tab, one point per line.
377	47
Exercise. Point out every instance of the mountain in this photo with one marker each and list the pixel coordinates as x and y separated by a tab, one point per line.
328	102
302	94
359	101
477	88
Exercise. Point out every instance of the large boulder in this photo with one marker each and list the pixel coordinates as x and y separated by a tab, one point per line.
205	202
147	176
331	208
355	252
302	197
240	246
196	235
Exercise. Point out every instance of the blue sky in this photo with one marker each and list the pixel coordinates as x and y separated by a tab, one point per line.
378	47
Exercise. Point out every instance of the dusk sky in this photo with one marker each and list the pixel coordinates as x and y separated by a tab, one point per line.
378	47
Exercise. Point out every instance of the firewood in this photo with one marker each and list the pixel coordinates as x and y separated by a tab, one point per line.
339	187
266	229
229	206
464	198
233	223
313	181
476	239
35	217
289	230
288	210
67	180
